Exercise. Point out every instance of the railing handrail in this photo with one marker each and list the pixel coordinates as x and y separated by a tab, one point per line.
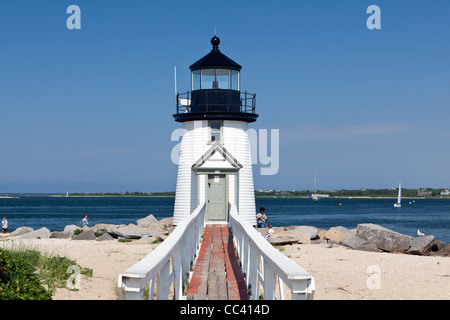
247	102
247	238
187	234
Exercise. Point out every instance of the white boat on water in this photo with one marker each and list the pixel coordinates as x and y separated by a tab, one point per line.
399	200
315	197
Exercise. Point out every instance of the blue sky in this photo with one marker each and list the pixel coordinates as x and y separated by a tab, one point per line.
91	110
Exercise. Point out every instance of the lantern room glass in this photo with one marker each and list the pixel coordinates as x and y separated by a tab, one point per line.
215	79
196	80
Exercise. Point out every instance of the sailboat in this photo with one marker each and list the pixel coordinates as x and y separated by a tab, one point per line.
399	200
314	196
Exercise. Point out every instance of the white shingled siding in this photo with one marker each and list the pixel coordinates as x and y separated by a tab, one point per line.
193	145
237	142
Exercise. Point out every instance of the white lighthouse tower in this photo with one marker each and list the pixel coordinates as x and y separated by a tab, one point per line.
215	165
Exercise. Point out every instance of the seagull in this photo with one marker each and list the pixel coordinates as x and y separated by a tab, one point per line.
420	233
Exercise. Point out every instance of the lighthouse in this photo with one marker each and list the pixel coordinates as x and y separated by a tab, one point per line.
215	164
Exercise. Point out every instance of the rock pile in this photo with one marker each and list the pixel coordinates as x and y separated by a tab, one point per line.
148	229
366	237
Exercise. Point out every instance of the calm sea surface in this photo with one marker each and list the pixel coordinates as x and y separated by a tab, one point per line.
431	216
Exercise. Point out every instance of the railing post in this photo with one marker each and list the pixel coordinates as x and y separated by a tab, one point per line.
252	277
178	274
163	284
269	282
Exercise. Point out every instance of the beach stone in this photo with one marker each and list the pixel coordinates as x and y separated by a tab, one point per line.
283	237
443	252
313	231
166	223
87	234
437	245
146	222
62	234
22	230
147	239
71	227
336	234
42	233
105	237
107	227
321	234
421	245
357	243
383	238
303	237
135	232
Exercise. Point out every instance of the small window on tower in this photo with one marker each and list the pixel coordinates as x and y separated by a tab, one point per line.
215	131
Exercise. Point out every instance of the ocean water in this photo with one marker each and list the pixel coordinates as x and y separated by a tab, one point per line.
431	216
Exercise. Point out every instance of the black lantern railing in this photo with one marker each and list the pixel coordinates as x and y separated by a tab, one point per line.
216	101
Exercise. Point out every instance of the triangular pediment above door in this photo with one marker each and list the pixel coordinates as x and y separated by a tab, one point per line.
217	158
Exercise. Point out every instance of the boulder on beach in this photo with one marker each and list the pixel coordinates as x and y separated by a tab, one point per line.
20	231
311	230
87	234
283	237
135	232
383	238
443	252
107	226
105	237
147	222
42	233
421	245
337	234
357	243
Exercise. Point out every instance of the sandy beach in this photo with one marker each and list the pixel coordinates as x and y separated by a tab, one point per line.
340	272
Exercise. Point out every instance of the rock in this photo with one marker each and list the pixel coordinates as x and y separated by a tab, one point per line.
146	222
443	252
67	233
87	234
283	237
437	245
62	234
161	238
166	223
147	239
303	237
71	227
383	238
336	234
421	245
20	231
107	227
135	232
105	237
321	234
357	243
313	231
42	233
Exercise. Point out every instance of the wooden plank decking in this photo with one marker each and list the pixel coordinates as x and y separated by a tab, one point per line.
217	273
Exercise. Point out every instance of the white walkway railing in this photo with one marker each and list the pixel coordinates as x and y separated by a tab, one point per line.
264	265
169	262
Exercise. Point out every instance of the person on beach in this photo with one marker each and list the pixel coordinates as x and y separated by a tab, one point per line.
269	232
85	221
4	225
261	218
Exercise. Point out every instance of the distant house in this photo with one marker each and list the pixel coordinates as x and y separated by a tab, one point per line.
424	193
445	192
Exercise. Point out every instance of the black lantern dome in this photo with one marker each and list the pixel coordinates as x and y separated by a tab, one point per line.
215	91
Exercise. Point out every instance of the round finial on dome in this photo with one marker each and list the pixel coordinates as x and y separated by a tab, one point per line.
215	41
